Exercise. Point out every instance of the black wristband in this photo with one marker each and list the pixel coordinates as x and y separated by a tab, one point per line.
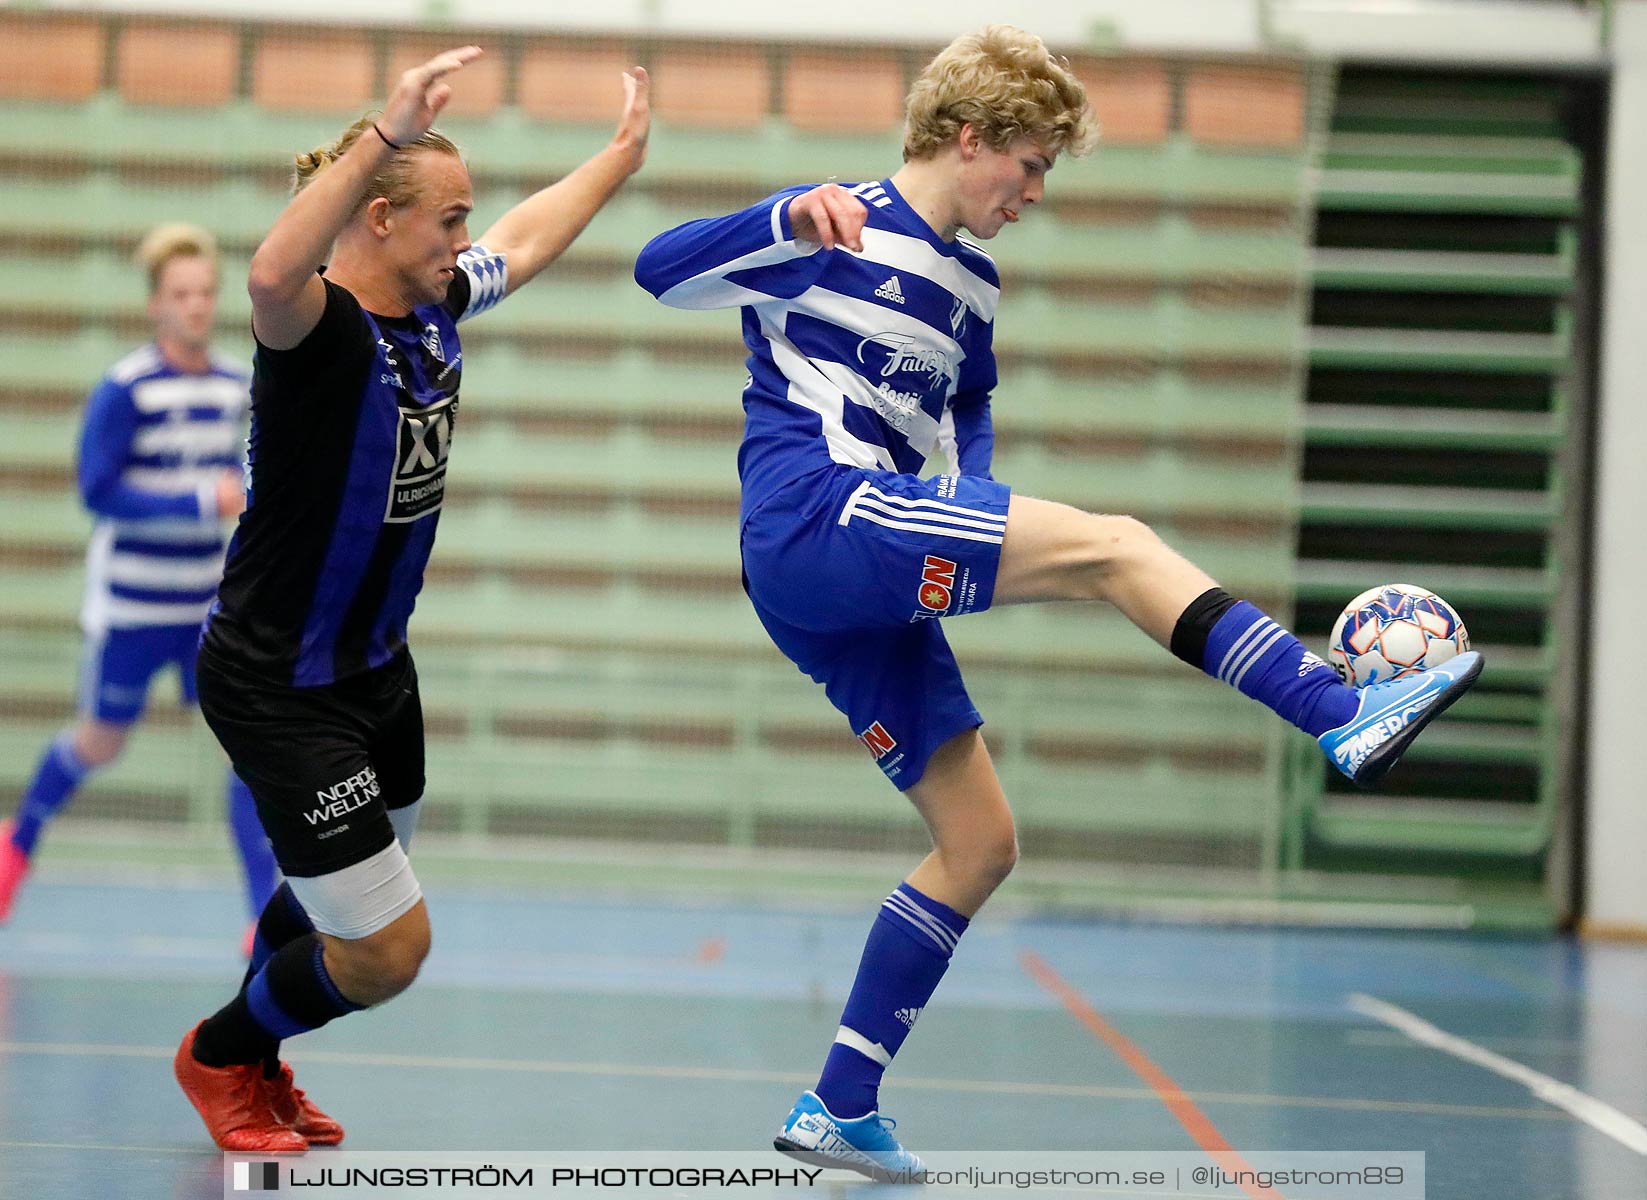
385	137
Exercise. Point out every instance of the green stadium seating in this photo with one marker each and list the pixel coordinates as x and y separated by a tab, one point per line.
1463	189
584	641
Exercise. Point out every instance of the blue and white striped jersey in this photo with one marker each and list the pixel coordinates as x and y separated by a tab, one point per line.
154	442
875	360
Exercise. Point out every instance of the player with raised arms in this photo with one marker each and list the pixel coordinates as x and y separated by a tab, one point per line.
869	324
304	671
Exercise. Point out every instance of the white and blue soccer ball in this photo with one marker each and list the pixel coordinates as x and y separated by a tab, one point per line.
1394	630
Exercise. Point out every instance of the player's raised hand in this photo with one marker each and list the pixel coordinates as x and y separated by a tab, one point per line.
829	215
635	125
421	93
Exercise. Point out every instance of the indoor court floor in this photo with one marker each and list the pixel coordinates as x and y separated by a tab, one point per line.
548	1022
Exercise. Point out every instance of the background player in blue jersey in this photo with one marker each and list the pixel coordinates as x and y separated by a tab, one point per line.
160	469
869	324
304	671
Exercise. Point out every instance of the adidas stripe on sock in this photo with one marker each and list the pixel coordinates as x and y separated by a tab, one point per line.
905	956
1235	642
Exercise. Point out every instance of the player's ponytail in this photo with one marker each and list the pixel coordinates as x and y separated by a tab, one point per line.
306	166
394	180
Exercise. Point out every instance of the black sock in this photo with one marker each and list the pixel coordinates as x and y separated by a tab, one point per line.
231	1037
1189	635
291	994
282	920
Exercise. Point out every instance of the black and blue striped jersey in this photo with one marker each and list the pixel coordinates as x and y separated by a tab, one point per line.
351	433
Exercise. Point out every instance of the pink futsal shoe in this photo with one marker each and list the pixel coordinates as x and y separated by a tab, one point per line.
14	865
234	1104
292	1106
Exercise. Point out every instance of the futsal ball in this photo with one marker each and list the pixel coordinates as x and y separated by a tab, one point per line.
1391	631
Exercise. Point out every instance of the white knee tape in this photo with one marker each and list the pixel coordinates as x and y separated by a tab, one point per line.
361	899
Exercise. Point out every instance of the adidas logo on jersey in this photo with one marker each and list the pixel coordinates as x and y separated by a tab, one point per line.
891	291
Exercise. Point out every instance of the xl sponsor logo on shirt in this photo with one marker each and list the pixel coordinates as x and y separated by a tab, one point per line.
424	442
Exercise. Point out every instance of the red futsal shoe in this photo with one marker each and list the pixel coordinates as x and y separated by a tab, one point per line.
297	1110
234	1104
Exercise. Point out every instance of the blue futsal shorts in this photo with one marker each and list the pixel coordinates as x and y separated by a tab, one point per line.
849	571
117	666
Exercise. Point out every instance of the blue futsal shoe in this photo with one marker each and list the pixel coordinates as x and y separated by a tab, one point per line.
863	1144
1391	715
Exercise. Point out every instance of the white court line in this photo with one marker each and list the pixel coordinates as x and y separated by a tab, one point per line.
1595	1113
732	1075
1525	1045
192	1152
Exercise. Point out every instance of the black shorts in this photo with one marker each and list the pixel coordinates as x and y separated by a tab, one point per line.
325	764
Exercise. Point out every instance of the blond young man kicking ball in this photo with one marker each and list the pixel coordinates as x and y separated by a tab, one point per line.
869	322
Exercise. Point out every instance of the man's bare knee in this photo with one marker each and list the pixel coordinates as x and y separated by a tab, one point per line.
984	858
372	974
377	967
1124	538
998	858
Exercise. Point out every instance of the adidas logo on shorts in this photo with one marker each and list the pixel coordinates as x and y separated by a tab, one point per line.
891	291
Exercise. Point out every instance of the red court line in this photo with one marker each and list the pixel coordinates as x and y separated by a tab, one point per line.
1194	1121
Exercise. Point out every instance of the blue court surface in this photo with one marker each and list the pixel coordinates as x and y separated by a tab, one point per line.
547	1022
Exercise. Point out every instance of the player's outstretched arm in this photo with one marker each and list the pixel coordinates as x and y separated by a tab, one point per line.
287	295
538	230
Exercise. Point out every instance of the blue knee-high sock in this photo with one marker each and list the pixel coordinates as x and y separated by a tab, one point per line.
1231	640
906	955
256	859
290	994
60	773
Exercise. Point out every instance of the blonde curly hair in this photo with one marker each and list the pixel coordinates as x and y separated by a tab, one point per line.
395	179
1006	84
164	243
